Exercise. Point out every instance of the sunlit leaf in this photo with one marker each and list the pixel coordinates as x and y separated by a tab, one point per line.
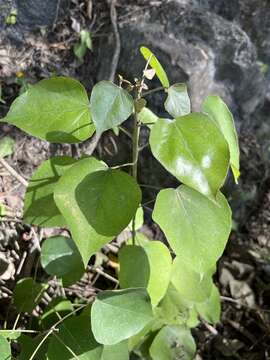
216	108
193	149
5	351
118	315
88	241
196	227
177	102
155	64
210	309
55	109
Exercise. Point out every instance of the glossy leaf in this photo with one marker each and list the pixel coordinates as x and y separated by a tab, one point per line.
110	105
5	351
210	309
118	315
177	102
108	200
60	257
173	342
39	206
55	109
215	107
193	149
27	294
138	268
6	146
191	285
196	228
155	64
88	241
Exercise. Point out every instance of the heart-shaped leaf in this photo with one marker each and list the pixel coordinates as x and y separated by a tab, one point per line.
193	149
88	241
118	315
60	257
215	107
155	64
173	342
39	206
108	200
177	102
55	109
138	268
110	105
191	285
196	228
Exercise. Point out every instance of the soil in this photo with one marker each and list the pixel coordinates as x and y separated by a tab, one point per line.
243	275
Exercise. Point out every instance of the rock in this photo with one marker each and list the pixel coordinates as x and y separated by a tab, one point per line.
211	53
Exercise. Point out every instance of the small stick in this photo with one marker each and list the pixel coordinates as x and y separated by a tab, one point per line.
13	172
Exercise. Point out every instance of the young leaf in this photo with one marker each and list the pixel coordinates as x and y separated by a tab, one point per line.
215	107
191	285
88	241
110	105
147	117
210	309
6	146
193	149
5	351
196	228
108	200
155	64
177	102
118	315
39	206
55	109
27	294
138	268
173	342
60	257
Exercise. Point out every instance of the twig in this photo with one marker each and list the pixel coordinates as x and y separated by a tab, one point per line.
116	55
13	172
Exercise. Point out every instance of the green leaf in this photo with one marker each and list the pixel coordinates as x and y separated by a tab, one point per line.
10	334
60	257
118	315
177	102
155	64
5	351
39	205
75	338
88	241
173	342
147	117
28	345
196	228
55	109
193	149
6	146
27	294
108	200
110	105
210	309
216	108
50	316
139	219
74	334
138	268
191	285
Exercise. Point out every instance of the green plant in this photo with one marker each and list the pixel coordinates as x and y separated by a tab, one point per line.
163	292
85	42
